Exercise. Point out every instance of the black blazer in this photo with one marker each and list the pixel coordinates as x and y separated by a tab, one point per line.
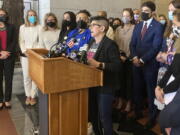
174	70
108	53
169	116
11	39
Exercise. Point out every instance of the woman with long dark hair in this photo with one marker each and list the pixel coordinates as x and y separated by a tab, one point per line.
68	24
123	36
170	35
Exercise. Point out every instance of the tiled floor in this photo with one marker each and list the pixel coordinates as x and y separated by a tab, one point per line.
26	118
6	125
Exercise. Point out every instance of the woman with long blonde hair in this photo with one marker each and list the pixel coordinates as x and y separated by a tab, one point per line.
28	39
50	33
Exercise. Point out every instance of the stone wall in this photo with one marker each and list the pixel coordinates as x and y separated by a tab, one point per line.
113	7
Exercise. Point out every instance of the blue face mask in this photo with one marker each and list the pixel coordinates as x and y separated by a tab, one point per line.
162	21
32	19
170	15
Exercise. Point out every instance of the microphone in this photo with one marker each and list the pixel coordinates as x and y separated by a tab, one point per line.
66	45
56	52
82	54
61	48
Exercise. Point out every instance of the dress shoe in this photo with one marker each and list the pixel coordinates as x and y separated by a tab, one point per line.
28	100
90	128
7	105
1	107
33	101
150	124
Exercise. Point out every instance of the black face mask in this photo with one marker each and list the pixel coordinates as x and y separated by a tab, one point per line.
81	24
3	19
51	24
66	23
145	16
111	24
115	26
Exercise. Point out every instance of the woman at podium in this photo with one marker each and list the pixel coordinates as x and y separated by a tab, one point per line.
103	54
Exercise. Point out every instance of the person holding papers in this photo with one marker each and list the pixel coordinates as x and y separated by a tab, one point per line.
168	92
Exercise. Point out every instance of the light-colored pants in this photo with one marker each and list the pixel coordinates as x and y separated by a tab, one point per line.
29	86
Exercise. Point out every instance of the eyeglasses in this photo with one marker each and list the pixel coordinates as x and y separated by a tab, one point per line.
94	24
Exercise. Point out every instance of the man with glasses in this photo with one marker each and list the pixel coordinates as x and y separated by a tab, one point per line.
103	54
145	45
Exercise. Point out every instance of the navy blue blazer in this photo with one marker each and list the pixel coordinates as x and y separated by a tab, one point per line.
148	47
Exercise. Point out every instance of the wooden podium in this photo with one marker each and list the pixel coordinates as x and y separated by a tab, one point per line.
66	83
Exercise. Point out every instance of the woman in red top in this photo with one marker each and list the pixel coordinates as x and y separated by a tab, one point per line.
7	58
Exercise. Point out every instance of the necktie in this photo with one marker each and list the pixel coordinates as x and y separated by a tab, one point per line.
143	30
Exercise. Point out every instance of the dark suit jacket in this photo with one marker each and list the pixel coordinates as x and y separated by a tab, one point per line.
108	53
169	116
174	70
148	47
11	39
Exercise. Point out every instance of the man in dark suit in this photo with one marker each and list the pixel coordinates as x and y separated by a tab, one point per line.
145	44
103	53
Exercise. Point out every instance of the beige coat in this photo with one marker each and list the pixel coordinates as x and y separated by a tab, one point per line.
123	38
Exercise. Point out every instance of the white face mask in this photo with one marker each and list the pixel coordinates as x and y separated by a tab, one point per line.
126	20
136	17
170	15
162	22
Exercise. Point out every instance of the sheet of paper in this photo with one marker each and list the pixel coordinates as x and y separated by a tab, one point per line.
169	97
159	105
170	79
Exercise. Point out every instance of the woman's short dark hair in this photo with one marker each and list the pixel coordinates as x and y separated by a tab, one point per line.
118	20
102	20
84	11
150	5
